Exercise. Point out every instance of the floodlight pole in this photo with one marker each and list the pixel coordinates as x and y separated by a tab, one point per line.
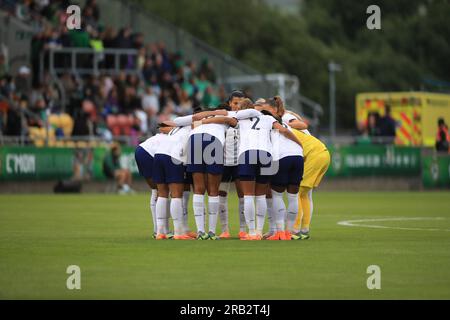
332	69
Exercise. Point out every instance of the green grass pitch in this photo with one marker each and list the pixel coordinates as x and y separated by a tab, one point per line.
109	237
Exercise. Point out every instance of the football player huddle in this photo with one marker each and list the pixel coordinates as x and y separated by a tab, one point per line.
263	149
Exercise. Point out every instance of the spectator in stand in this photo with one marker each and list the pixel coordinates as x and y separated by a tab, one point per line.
92	4
125	41
85	120
37	114
149	72
15	120
89	20
22	82
387	126
6	86
185	106
121	119
79	38
150	101
4	70
442	137
202	84
207	70
210	99
138	41
54	40
110	38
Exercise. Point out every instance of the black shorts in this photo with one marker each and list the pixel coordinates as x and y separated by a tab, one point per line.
230	174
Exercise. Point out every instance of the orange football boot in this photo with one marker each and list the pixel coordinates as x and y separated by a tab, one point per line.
275	236
161	236
287	235
225	235
252	238
182	237
281	235
242	234
191	234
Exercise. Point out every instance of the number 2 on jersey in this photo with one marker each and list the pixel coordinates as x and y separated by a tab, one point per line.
255	124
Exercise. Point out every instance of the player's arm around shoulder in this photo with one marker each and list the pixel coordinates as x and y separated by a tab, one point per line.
166	126
287	133
206	114
298	124
221	120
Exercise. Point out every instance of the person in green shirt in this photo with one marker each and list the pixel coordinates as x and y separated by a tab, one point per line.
79	38
113	169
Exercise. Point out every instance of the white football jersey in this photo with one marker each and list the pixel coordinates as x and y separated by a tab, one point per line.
254	133
283	147
213	129
287	117
175	143
231	146
183	121
151	144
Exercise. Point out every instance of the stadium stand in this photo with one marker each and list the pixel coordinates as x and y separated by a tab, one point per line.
123	94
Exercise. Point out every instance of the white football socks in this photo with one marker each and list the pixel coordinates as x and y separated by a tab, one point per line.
176	209
153	197
242	223
249	212
223	212
292	210
166	220
161	211
186	195
213	210
279	210
261	209
198	203
270	216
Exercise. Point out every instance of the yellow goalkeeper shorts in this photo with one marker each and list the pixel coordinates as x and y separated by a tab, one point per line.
316	165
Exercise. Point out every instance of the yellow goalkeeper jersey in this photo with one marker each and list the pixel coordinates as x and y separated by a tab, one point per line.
310	143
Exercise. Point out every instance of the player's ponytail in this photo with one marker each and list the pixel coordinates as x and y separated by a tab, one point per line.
279	104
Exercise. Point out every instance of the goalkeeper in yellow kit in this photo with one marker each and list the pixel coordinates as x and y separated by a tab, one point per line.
317	161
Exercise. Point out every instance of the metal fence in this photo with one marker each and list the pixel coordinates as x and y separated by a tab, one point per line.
86	61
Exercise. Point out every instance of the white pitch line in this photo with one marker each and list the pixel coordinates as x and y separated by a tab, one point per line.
355	223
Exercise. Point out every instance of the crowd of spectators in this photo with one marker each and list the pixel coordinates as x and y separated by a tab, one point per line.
162	85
